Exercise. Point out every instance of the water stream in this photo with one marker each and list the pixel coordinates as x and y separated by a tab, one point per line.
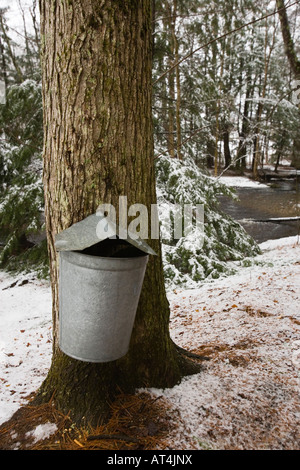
277	200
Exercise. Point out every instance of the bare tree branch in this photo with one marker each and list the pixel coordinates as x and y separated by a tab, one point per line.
221	37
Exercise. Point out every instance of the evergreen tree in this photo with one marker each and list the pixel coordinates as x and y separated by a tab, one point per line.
21	193
227	88
207	252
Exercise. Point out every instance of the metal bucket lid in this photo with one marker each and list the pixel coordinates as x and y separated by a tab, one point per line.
84	234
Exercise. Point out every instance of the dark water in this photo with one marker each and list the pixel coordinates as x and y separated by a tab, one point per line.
280	199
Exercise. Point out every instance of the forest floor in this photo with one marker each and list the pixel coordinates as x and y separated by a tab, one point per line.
246	395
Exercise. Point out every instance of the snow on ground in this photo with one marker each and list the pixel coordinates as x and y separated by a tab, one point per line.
241	182
25	339
42	431
245	397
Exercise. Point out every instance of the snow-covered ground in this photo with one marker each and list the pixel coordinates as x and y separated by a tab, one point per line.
241	182
25	339
247	394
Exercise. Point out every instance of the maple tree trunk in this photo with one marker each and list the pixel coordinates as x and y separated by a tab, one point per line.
98	145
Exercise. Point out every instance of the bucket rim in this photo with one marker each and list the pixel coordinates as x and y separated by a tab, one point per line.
98	359
142	255
104	262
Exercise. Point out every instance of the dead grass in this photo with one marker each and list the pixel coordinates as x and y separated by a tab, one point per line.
137	422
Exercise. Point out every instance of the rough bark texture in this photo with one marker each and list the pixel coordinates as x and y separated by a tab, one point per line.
242	149
97	59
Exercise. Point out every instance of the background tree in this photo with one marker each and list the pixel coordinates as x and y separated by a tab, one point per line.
290	50
288	40
227	88
98	145
21	138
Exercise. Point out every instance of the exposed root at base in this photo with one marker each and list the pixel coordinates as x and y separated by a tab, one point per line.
190	354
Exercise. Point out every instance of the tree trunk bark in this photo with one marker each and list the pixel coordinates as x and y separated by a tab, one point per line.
296	153
288	42
294	62
178	84
257	147
242	148
171	84
96	62
178	105
257	156
227	153
4	66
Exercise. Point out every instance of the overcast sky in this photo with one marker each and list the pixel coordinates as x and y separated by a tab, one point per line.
14	15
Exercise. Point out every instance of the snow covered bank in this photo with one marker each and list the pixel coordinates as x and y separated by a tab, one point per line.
240	182
248	324
247	395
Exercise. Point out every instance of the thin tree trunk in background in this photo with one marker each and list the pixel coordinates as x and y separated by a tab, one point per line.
171	84
178	87
29	65
289	45
242	149
10	51
35	25
3	65
257	150
227	153
178	104
217	134
294	62
171	117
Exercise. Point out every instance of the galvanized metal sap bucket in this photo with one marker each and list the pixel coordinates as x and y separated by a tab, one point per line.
98	295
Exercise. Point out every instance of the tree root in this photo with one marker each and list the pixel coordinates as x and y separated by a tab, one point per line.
191	354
